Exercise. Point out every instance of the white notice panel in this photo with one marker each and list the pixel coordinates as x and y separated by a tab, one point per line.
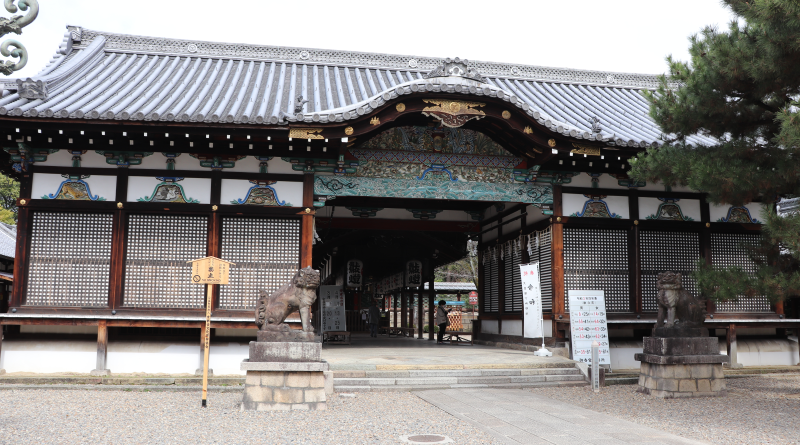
332	304
587	322
532	300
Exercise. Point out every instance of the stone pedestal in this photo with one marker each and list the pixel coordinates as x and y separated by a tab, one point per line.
676	366
284	375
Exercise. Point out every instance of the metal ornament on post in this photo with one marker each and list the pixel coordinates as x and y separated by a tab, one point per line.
595	366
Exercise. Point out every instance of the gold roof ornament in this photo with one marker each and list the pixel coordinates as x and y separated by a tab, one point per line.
527	130
348	131
453	113
306	133
375	121
585	150
551	143
401	107
506	114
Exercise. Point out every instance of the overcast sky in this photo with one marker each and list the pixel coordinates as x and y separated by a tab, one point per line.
616	35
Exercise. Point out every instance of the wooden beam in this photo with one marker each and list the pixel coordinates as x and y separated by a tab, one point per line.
400	224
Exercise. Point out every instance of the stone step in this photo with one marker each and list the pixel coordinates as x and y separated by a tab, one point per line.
456	373
380	388
484	380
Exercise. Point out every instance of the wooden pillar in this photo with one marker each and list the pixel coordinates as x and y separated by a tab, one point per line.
420	312
557	257
403	309
431	303
102	350
307	224
21	256
732	349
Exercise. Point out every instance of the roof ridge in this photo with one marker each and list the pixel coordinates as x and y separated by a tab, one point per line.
313	56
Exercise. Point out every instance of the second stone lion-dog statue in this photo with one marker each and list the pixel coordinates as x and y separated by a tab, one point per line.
297	295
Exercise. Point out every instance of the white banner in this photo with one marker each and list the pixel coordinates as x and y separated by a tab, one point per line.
587	324
532	300
332	308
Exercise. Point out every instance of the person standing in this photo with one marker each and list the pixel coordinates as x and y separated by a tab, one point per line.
442	320
374	319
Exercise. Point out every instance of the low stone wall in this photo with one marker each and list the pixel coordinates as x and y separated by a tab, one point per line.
284	391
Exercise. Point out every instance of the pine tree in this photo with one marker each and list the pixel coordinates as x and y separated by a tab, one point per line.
742	87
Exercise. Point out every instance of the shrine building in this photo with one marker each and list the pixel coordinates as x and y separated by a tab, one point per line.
138	154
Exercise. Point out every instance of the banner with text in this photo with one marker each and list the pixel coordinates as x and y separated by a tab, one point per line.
332	307
532	300
587	323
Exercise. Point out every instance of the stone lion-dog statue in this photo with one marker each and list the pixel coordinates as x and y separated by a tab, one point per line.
298	294
676	303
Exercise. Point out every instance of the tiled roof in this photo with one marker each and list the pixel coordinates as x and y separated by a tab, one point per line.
8	240
107	76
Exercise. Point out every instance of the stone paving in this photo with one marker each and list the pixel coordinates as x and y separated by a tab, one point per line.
385	353
516	416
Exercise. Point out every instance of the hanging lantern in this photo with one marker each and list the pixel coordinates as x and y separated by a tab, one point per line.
414	273
355	270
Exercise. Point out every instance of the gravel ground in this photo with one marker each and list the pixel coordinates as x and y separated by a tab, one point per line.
154	417
758	410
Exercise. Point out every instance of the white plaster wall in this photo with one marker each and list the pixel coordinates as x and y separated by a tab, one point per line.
278	165
584	180
290	192
247	165
721	211
689	207
46	183
659	187
512	327
489	327
155	161
195	188
573	203
80	356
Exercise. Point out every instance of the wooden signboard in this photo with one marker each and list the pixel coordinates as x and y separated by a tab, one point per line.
210	271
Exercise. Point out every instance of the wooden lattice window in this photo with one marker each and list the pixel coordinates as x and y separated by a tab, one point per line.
490	277
70	260
512	299
157	274
596	259
266	253
667	251
727	249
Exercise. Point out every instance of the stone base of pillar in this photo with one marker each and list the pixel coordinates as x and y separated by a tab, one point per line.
2	371
100	372
199	372
675	367
285	386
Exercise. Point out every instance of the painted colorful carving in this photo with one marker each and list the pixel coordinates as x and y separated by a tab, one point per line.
739	215
453	113
169	191
74	189
595	207
669	211
537	194
261	194
456	141
124	159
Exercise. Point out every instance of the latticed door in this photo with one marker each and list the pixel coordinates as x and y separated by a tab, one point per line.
667	251
512	299
266	253
596	259
729	249
70	260
491	296
157	274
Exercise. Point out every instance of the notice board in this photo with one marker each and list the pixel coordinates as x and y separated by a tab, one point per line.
331	300
587	322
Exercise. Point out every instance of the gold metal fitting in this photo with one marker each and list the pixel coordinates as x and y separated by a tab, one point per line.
119	205
308	210
22	202
506	114
708	224
401	107
551	142
348	131
558	219
214	208
636	222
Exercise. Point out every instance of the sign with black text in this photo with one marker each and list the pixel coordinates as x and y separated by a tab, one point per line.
532	300
332	307
588	323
